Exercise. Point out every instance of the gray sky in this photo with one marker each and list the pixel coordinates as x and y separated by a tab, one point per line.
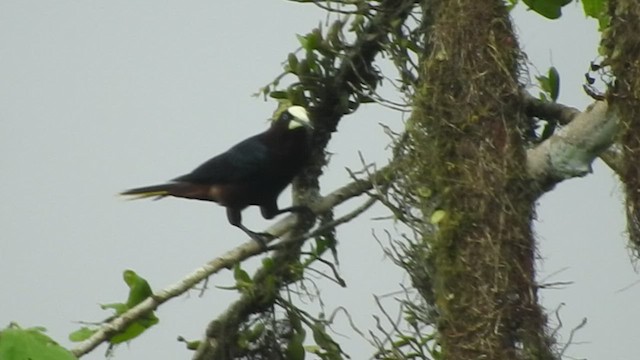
99	96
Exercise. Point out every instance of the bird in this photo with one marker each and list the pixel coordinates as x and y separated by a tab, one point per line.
253	172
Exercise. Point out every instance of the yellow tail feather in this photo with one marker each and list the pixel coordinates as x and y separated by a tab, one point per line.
158	194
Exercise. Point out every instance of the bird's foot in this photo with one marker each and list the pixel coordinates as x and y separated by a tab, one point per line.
261	238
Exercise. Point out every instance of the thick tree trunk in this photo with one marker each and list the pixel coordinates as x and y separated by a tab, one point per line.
466	147
622	43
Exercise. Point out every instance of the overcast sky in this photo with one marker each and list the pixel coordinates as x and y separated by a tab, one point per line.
100	96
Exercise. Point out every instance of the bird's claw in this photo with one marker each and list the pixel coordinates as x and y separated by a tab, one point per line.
262	238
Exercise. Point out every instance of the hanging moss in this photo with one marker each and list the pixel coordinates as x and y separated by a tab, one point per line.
465	152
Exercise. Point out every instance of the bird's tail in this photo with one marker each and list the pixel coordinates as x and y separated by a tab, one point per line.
156	191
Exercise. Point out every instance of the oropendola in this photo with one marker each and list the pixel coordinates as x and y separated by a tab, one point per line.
253	172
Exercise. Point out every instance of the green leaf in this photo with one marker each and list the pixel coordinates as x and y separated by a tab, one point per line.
548	130
511	4
550	85
20	344
551	9
314	40
295	95
278	94
325	341
118	307
594	8
135	329
310	41
82	334
303	41
554	83
424	192
294	320
255	332
132	331
240	275
312	61
334	33
303	68
292	63
357	23
295	348
321	245
139	288
191	345
314	349
438	216
267	263
597	9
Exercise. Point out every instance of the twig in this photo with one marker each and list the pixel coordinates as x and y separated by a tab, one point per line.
328	226
572	334
351	323
555	285
336	279
625	288
557	313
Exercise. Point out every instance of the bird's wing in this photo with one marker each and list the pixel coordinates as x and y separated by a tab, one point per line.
242	162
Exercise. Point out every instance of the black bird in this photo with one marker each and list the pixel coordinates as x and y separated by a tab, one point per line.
253	172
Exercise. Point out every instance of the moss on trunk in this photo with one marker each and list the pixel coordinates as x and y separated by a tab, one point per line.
622	44
465	151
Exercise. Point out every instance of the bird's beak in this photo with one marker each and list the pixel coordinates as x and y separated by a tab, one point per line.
299	117
297	122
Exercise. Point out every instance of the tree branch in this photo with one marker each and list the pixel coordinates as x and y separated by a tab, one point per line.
547	110
226	261
564	114
268	281
570	152
326	227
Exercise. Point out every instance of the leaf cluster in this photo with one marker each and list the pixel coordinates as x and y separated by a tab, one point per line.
17	343
139	290
315	63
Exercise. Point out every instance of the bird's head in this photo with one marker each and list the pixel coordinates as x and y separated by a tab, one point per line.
294	117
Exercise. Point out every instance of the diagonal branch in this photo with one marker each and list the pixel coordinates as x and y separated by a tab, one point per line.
226	261
221	335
